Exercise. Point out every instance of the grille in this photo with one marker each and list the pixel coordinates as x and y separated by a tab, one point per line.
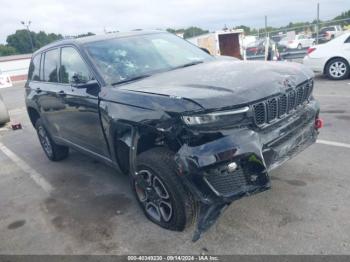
259	113
271	109
282	105
300	94
291	100
227	183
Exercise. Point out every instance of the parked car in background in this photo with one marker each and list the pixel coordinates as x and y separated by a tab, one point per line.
5	80
4	115
331	58
299	42
277	38
330	32
258	48
193	131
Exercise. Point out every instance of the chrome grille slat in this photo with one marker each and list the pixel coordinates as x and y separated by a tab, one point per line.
271	109
267	111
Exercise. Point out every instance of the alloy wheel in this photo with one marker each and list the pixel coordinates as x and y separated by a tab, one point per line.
154	196
45	140
337	69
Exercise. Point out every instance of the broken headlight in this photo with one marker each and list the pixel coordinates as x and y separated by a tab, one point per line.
219	118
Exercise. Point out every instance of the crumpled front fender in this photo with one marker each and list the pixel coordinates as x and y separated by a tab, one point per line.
205	170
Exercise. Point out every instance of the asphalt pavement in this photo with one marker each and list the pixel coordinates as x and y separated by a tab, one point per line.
80	206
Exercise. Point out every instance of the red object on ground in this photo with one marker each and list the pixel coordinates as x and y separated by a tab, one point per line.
16	126
318	123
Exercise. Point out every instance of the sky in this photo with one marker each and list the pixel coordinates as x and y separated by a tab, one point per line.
72	17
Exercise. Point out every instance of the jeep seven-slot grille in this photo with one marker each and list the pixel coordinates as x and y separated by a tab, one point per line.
274	108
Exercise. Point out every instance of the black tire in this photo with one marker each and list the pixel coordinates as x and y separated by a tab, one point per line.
344	69
53	151
159	162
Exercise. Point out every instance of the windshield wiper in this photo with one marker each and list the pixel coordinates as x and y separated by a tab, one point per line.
130	79
189	64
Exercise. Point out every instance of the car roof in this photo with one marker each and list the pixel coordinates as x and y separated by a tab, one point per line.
95	38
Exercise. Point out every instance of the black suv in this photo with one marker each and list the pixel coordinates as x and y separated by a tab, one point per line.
193	131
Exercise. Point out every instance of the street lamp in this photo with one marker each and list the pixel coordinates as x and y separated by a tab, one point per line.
26	25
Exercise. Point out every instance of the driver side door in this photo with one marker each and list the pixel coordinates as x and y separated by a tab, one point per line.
82	126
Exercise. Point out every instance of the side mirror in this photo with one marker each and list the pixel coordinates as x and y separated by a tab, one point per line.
77	78
87	84
78	81
205	50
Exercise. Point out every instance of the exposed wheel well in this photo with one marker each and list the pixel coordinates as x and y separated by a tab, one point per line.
331	59
146	141
33	115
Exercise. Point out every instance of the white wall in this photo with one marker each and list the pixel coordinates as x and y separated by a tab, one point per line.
15	67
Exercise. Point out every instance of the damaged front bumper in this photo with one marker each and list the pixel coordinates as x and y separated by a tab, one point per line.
252	151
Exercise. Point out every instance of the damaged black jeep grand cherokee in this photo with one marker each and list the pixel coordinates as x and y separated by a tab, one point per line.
193	131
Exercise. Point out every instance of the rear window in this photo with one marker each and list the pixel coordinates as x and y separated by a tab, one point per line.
34	68
51	66
347	41
323	30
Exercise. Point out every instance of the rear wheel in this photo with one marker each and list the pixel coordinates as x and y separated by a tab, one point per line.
337	69
52	150
159	191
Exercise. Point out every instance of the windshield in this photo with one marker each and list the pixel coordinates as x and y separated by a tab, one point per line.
134	57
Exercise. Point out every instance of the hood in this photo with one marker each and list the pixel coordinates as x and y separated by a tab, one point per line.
223	83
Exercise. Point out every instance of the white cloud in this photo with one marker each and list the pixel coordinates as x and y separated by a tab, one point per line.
70	17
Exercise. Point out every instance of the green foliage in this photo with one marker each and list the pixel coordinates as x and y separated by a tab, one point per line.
21	42
7	50
188	32
194	31
87	34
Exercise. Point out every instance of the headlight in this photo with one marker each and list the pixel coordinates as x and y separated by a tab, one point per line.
217	118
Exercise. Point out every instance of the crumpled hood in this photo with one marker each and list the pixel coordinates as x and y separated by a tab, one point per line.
224	83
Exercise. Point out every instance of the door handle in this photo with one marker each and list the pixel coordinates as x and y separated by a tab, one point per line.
62	93
38	90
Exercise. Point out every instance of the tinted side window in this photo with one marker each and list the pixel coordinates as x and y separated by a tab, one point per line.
34	68
347	40
72	64
51	66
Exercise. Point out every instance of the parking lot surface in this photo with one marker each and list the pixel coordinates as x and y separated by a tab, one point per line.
80	206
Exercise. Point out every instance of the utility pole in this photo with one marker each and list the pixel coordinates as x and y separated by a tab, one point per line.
26	25
267	41
317	21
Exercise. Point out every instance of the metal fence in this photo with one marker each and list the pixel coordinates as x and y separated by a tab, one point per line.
310	29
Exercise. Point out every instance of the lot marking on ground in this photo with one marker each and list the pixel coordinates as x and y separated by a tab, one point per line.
38	179
332	143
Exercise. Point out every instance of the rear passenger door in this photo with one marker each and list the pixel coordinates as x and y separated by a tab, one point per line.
50	93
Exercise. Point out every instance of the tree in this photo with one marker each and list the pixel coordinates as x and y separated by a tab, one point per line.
194	31
7	50
87	34
21	41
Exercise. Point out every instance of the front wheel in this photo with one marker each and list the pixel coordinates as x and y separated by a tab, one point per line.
53	151
337	69
160	192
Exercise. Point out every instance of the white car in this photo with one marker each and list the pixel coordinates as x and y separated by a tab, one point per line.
5	80
331	58
299	42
